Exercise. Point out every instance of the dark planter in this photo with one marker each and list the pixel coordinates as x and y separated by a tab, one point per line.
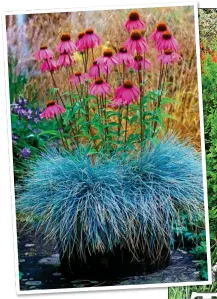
120	263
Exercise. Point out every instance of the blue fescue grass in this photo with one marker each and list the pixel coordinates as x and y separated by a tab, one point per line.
125	200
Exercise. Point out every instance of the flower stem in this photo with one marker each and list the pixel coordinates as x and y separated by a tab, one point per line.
55	85
107	71
126	124
141	105
119	121
61	135
123	72
92	54
83	59
161	88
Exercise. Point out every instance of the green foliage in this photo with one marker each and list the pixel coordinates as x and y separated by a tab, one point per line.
20	275
209	84
191	236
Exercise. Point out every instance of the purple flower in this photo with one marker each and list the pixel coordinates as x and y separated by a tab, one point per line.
29	113
36	120
14	137
25	152
36	131
21	101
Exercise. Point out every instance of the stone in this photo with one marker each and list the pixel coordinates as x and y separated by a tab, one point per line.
29	245
57	274
22	260
33	283
50	260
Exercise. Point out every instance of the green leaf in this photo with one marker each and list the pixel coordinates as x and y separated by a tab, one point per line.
81	120
112	124
112	113
92	152
53	91
49	132
133	119
20	275
166	100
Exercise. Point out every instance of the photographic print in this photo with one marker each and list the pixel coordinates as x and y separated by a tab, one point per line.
208	56
108	157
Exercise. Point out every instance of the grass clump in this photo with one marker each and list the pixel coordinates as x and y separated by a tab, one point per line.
125	201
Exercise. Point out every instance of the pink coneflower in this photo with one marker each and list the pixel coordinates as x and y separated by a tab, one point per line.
79	45
52	109
78	78
140	62
167	41
49	65
90	39
134	22
66	45
65	59
44	53
157	33
169	57
124	57
95	70
125	94
136	43
99	87
107	59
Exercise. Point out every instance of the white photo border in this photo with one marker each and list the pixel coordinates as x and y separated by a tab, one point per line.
90	8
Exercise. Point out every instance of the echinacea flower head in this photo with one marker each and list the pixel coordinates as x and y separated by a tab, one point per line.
125	94
66	45
108	59
95	70
157	33
167	41
90	40
79	45
44	53
134	22
124	57
136	43
79	78
65	59
169	57
48	65
52	110
141	63
99	88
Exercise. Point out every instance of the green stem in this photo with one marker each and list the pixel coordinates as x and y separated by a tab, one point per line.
163	80
127	112
61	135
141	105
119	121
55	85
